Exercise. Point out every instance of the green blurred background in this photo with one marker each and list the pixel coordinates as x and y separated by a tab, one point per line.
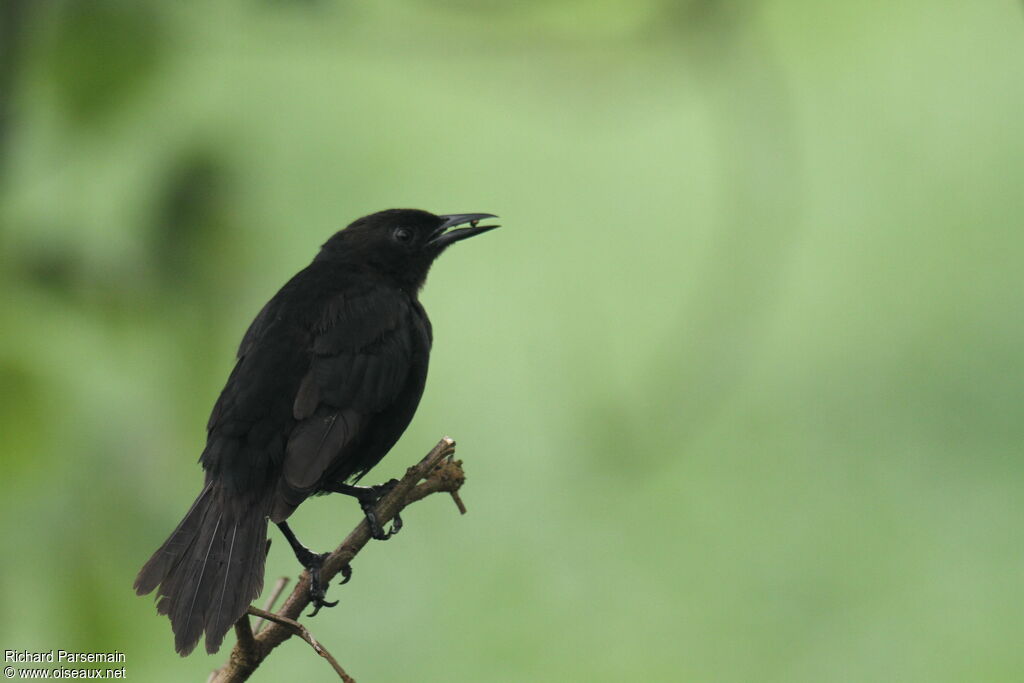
738	386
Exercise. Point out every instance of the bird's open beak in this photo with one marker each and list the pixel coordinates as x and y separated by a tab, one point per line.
442	239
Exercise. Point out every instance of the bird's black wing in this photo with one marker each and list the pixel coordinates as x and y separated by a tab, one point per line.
252	417
361	353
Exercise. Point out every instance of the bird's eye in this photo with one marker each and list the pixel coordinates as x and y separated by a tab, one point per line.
402	234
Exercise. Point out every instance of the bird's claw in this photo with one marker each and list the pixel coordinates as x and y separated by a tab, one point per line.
376	530
317	586
369	503
318	603
346	575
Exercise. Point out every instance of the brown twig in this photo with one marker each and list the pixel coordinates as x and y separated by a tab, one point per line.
302	632
458	502
268	606
436	472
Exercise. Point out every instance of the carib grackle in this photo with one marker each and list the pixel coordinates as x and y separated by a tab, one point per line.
328	377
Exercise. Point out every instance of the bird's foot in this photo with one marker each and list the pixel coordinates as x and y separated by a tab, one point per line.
368	497
376	530
317	586
313	564
368	502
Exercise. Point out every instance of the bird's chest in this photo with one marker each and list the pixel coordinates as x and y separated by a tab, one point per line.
387	426
406	401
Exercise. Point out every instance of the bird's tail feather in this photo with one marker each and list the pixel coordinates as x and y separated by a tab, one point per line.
209	570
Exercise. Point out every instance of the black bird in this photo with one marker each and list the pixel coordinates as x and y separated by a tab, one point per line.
328	377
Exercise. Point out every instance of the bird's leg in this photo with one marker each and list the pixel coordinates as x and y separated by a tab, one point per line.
313	563
368	497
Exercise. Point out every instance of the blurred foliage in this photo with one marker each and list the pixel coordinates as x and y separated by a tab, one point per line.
95	54
738	385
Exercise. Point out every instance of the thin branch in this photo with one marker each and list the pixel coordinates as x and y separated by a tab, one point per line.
268	606
458	502
302	632
436	472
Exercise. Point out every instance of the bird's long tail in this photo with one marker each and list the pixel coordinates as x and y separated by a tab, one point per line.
209	570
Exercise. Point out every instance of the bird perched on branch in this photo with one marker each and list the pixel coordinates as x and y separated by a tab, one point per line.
328	377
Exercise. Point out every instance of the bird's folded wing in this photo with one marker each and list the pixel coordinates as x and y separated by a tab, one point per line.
362	350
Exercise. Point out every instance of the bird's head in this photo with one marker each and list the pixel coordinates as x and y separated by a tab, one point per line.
402	243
